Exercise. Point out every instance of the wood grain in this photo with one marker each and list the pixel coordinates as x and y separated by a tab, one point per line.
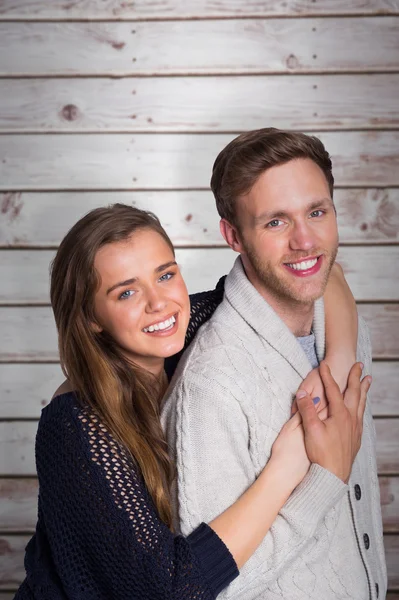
17	456
169	161
367	216
18	504
200	47
29	335
372	272
13	550
198	104
188	9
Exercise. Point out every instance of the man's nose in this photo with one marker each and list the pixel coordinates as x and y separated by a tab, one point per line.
302	237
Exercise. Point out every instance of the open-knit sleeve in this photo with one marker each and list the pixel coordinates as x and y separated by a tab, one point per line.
105	536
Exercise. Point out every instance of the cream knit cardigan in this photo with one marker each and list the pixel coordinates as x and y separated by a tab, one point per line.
230	396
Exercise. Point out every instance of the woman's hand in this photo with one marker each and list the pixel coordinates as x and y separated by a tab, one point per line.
313	386
289	450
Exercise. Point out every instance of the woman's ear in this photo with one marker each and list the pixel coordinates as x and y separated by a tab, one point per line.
96	327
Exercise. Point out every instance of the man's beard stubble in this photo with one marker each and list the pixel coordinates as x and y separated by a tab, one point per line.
281	289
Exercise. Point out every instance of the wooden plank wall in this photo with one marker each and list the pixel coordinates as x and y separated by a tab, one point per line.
104	101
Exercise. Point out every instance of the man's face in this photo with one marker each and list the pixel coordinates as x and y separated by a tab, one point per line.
288	233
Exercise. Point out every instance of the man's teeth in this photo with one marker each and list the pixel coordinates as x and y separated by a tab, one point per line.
161	325
303	266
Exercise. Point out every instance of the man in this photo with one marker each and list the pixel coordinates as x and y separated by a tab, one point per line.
234	387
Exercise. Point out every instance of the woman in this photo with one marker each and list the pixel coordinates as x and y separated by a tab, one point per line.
104	522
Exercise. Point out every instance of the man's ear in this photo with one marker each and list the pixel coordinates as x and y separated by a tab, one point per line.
231	235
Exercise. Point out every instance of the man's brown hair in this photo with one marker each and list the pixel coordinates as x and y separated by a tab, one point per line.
244	159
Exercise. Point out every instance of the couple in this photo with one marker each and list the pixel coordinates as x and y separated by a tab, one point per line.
269	468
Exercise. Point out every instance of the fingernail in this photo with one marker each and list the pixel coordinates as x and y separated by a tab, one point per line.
362	366
300	394
316	400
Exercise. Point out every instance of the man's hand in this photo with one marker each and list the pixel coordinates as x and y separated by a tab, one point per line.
334	442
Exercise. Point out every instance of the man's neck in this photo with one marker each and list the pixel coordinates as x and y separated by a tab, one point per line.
298	316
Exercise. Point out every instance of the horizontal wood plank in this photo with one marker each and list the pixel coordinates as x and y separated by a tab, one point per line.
188	9
29	335
199	103
200	47
26	388
13	550
372	272
391	543
389	490
17	438
18	504
169	161
367	216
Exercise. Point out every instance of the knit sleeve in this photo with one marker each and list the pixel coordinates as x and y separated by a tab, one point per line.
106	539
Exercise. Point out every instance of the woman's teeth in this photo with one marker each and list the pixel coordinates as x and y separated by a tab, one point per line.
303	266
161	325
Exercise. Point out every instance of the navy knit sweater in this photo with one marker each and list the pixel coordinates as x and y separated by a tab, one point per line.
98	535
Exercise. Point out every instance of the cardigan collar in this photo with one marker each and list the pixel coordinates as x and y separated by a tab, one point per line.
260	316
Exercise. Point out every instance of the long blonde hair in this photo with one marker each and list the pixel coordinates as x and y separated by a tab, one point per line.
124	395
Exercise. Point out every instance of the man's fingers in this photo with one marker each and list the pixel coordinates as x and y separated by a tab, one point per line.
307	410
333	393
364	388
352	394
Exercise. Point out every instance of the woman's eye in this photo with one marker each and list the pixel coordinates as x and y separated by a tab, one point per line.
126	294
317	213
166	276
274	223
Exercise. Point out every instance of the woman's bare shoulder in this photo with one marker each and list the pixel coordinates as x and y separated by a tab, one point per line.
63	388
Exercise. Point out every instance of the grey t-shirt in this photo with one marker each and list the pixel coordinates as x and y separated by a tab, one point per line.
308	344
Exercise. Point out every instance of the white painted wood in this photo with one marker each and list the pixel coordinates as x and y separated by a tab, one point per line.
17	444
169	161
25	389
18	504
200	46
384	391
391	543
389	490
383	322
28	333
372	272
12	560
199	103
185	9
367	216
17	439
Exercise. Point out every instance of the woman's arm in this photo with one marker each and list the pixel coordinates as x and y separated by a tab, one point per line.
341	336
341	326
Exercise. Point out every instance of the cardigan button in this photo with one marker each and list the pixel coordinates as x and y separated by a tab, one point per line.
358	492
377	589
366	540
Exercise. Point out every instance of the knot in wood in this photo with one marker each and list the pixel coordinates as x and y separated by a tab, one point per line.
70	112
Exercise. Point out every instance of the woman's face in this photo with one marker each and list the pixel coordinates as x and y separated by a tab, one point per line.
142	301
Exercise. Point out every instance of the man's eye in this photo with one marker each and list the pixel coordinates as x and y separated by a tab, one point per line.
317	213
126	294
274	223
166	276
